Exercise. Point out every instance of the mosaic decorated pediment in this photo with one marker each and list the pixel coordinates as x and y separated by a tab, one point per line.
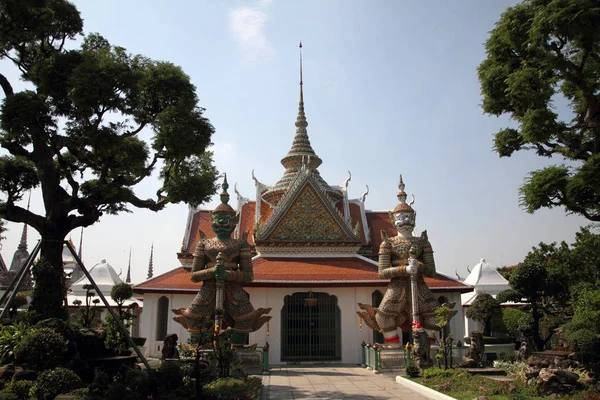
307	214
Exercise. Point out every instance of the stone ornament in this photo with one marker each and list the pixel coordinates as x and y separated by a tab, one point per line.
234	255
404	259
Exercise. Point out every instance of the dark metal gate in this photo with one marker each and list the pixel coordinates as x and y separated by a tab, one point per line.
311	328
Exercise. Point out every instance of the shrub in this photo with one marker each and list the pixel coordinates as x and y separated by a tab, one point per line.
59	326
433	372
76	394
583	341
51	383
232	388
516	321
7	395
170	375
138	382
10	336
41	349
412	370
20	388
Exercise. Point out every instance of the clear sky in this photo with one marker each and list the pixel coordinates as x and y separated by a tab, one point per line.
390	88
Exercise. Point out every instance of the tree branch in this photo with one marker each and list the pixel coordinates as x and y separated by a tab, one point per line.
15	213
149	204
148	170
135	132
6	86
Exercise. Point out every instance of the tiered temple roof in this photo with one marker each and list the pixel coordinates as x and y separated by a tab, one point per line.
303	232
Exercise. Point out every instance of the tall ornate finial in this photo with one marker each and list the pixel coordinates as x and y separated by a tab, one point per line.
301	94
128	278
403	206
150	264
224	206
224	187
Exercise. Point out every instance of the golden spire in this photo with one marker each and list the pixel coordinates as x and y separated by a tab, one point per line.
301	94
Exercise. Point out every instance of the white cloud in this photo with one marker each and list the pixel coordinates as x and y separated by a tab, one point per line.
248	29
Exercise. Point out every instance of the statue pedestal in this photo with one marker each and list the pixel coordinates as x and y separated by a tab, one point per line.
391	359
251	359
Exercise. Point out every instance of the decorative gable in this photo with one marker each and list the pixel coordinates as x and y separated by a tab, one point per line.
306	214
308	219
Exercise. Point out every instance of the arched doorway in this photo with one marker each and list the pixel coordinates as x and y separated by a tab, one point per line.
311	327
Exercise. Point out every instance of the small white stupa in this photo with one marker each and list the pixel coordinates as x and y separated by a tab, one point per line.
105	277
485	279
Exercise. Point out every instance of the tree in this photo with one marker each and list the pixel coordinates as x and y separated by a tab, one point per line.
97	122
533	285
540	50
482	310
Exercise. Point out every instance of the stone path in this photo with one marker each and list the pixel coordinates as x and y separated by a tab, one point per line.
332	382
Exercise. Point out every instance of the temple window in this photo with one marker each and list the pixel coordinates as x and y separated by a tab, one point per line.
162	318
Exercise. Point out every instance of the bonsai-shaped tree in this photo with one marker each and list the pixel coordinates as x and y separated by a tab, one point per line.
482	310
115	338
442	318
92	122
89	311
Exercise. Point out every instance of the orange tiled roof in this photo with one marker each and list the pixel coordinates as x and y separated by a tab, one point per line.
247	220
355	215
379	220
201	221
300	272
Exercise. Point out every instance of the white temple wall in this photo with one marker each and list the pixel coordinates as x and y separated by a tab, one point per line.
351	336
348	297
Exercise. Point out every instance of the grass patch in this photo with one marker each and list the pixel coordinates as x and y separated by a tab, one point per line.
463	386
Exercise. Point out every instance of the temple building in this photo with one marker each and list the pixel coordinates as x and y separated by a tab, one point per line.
314	258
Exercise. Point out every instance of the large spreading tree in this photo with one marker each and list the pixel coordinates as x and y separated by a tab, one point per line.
538	52
94	122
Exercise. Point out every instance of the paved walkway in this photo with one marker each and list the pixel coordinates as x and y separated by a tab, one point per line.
332	382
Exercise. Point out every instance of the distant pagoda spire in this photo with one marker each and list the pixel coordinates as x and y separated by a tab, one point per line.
23	243
150	264
128	278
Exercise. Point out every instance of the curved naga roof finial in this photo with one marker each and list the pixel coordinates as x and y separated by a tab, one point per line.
256	181
412	201
364	195
344	185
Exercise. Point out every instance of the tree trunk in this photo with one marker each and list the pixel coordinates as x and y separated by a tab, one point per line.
49	293
535	326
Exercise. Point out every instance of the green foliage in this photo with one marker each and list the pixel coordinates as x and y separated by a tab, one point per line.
516	321
53	382
138	382
8	395
89	311
59	326
540	49
40	349
233	388
93	124
10	336
114	338
433	372
584	341
482	310
412	370
20	388
586	307
47	296
170	374
121	292
76	394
